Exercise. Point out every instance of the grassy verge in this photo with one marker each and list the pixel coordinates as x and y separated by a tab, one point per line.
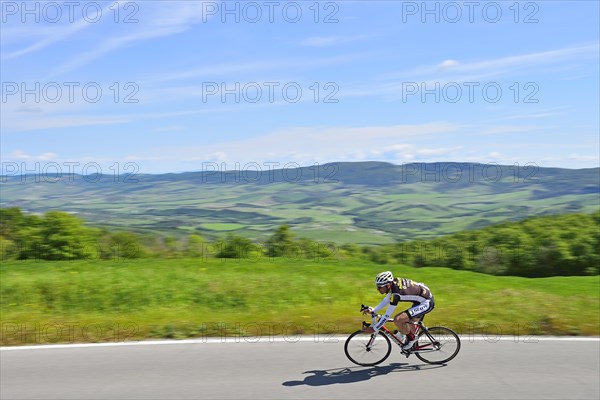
94	301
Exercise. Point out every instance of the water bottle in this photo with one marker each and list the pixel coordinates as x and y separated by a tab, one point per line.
399	336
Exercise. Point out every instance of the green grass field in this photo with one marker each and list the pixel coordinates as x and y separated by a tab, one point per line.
83	301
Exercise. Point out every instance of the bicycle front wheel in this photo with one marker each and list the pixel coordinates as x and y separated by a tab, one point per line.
437	345
361	350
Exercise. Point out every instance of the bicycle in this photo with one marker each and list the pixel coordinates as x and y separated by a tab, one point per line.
435	345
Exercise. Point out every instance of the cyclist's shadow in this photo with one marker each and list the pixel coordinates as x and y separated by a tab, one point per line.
354	374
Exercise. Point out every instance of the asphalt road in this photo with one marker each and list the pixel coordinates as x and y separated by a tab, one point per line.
484	369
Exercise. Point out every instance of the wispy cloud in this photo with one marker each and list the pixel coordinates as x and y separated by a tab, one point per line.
59	33
394	85
533	115
464	70
530	60
504	129
111	44
325	41
67	118
158	20
240	68
61	122
586	158
170	128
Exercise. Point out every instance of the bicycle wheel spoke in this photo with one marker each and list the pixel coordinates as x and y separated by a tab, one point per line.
438	345
359	352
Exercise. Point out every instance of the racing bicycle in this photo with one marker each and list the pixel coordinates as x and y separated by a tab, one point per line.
435	345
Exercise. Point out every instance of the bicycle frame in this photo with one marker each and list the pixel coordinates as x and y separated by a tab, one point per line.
417	347
388	333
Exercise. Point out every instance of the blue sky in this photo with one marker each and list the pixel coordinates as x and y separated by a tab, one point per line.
172	86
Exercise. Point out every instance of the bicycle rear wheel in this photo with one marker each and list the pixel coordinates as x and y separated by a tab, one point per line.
437	345
357	351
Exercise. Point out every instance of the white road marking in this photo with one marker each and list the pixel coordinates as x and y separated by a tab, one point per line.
278	339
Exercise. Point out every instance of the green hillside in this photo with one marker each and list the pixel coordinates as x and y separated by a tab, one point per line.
365	203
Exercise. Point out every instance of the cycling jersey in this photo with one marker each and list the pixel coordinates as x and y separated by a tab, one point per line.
405	290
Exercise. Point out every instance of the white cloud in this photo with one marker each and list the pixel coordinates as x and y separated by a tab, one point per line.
47	156
317	144
448	64
21	155
440	151
142	158
407	152
451	70
397	147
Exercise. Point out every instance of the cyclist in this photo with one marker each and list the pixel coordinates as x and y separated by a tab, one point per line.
401	289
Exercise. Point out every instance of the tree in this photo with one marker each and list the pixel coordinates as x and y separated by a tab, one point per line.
11	220
8	250
310	249
351	250
170	247
63	237
280	241
122	245
195	246
233	247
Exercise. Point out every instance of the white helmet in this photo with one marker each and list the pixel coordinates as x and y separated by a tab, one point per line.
383	278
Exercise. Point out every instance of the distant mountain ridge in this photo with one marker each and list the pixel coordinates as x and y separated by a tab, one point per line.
379	174
360	202
369	173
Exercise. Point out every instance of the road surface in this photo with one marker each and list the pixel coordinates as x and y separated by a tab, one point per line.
274	368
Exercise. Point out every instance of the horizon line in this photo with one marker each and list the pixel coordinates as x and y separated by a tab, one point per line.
251	167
